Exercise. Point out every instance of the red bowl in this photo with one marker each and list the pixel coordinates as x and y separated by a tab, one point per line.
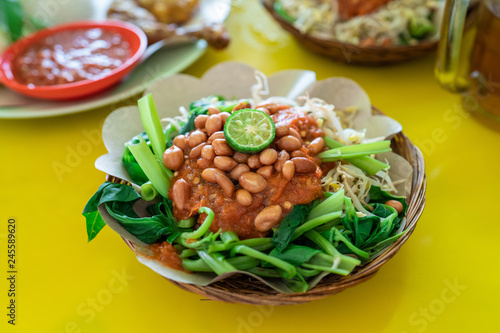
132	34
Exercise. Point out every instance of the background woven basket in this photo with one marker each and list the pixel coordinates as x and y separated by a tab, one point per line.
355	54
244	289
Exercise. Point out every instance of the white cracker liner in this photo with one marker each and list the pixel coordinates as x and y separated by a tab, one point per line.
233	81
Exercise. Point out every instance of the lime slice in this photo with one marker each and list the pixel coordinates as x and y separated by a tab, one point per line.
249	131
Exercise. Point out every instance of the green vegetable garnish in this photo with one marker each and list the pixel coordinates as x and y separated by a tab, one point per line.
354	151
369	165
421	28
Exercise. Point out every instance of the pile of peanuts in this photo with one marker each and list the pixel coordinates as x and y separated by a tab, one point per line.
220	164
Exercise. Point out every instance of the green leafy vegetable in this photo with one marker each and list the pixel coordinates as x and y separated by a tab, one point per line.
376	195
369	165
146	229
295	254
216	262
200	107
207	101
152	125
205	225
381	210
341	238
288	270
133	168
148	191
333	203
297	284
240	263
12	19
130	163
354	151
107	192
284	234
350	221
314	223
337	264
155	173
189	125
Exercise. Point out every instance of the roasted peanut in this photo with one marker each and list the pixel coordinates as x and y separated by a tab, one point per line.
296	135
241	105
203	163
180	193
224	116
303	165
241	157
272	107
316	145
297	153
283	156
252	182
215	136
196	151
254	162
264	110
224	163
180	141
282	130
221	148
173	158
398	206
196	138
238	170
288	170
200	121
268	218
265	171
268	156
209	175
289	143
243	197
213	124
225	183
208	152
213	110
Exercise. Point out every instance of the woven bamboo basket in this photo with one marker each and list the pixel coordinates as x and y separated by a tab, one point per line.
246	290
355	54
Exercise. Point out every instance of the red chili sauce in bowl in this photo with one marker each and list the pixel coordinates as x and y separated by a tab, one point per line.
71	56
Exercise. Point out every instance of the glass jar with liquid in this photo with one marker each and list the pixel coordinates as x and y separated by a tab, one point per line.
472	67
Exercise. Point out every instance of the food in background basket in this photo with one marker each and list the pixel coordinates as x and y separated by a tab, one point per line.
365	22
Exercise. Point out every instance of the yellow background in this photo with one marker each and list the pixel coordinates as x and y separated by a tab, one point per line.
67	285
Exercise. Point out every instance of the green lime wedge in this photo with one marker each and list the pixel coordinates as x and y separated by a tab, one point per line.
249	131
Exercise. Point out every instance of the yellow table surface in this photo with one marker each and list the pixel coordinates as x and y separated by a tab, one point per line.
444	279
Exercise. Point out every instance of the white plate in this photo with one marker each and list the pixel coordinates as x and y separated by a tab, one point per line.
166	61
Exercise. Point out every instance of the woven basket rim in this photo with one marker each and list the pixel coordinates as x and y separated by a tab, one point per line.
228	290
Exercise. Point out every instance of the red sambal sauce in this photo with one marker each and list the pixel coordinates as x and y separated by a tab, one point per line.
71	56
302	123
229	214
166	253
